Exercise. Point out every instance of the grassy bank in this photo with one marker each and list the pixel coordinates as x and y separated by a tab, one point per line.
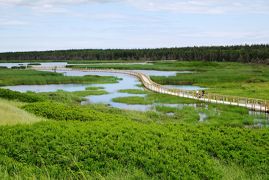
11	114
29	77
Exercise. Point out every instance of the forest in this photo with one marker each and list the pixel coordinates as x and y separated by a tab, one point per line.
240	53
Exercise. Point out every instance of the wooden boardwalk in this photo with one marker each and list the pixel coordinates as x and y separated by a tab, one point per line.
250	103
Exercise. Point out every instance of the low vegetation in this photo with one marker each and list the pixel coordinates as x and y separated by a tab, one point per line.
14	95
132	100
133	91
19	77
151	97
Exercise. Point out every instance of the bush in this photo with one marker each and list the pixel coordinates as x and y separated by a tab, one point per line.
18	67
60	111
23	97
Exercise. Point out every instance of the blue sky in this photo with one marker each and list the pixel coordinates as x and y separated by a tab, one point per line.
77	24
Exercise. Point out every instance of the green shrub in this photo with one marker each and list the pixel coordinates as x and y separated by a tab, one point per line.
75	150
23	97
60	111
18	67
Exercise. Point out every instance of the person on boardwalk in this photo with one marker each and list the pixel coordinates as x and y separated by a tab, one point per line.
203	93
198	94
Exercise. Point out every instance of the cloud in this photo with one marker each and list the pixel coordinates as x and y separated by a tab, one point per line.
179	6
203	6
49	3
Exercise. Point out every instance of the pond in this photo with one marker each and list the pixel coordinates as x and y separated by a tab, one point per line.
186	87
48	87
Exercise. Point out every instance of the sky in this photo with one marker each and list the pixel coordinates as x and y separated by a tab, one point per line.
30	25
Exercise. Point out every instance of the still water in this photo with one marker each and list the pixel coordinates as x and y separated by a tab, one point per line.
9	65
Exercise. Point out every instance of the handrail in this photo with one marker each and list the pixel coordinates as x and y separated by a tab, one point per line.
250	103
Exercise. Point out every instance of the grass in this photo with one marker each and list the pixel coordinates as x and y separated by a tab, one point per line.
92	88
29	77
151	98
133	91
11	114
70	97
132	100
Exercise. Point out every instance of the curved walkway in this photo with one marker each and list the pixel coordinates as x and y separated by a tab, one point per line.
250	103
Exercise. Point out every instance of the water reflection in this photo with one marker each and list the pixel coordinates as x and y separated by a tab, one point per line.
186	87
9	65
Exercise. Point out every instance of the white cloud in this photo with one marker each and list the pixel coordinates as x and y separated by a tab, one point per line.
179	6
49	3
203	6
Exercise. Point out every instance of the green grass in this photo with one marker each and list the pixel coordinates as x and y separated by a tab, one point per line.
109	145
132	100
29	77
151	98
94	88
133	91
10	114
70	97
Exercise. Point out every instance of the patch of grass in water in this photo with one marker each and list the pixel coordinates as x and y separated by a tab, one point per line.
133	91
92	88
30	77
132	100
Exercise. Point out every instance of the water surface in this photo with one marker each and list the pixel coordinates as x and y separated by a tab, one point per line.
53	64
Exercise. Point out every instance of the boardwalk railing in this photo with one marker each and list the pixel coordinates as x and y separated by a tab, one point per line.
250	103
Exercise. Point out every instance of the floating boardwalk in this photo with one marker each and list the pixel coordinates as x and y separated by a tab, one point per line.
250	103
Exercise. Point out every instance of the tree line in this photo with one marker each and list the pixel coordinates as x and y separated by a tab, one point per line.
242	53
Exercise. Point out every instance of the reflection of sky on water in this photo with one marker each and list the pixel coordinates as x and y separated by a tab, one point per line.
9	65
48	87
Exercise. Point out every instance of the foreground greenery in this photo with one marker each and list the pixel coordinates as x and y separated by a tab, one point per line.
93	141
